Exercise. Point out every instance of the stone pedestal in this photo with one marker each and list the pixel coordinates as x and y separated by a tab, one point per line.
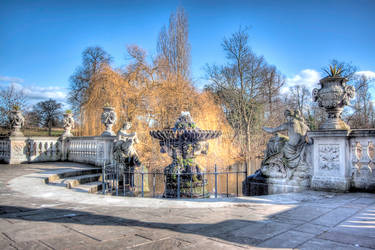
17	154
331	160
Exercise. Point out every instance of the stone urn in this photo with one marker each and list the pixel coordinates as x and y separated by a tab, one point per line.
16	122
333	96
68	124
108	119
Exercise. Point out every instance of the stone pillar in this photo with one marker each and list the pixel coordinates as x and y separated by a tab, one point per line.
331	160
18	150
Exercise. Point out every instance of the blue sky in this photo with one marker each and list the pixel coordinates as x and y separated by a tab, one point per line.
41	41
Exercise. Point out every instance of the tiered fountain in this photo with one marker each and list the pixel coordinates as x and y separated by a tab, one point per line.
183	143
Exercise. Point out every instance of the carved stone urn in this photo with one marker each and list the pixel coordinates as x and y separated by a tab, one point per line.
333	95
68	124
108	119
16	121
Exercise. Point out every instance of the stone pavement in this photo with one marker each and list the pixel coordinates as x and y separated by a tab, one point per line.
60	220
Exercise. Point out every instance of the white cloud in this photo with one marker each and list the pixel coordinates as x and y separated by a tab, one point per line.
307	77
36	93
8	79
369	74
39	93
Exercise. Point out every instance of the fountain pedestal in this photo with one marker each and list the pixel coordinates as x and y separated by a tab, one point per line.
184	142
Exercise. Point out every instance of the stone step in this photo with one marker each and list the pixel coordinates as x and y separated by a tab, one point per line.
72	173
91	187
77	180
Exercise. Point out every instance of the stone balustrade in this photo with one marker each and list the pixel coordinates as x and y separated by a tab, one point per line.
4	150
362	159
40	149
94	150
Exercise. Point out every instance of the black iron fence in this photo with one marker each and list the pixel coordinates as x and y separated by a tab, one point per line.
143	183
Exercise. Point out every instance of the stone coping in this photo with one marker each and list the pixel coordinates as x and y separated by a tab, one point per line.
328	133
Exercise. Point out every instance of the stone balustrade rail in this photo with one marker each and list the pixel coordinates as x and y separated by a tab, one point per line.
94	150
362	159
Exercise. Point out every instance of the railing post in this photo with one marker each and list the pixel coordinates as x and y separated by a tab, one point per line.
191	185
215	181
203	184
227	184
124	181
103	179
178	183
142	173
117	174
237	181
153	183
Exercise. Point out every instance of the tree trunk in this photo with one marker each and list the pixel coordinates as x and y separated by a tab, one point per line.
49	127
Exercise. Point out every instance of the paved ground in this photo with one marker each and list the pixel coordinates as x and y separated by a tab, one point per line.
309	220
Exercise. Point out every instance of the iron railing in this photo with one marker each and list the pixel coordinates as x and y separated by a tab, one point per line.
141	183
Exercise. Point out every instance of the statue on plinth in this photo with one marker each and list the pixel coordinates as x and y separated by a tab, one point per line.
124	152
68	124
285	156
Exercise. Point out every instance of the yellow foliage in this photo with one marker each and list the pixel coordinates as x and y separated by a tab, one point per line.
152	104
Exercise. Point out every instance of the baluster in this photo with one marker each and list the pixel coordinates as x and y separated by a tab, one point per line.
355	157
365	160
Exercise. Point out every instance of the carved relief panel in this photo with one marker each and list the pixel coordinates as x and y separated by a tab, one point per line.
329	157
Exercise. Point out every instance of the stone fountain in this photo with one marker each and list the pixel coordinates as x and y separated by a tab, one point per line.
183	143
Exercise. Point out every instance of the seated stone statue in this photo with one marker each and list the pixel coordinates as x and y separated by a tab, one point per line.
124	152
285	156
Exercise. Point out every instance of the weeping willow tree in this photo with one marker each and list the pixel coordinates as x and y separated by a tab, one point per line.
139	94
152	95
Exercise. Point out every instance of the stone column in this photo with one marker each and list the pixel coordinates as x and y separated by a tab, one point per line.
331	160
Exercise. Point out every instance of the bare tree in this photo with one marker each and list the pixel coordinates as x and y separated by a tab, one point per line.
49	112
173	45
273	81
9	98
92	60
363	109
299	98
241	85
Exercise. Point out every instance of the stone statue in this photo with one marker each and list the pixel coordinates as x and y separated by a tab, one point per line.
285	156
108	119
68	124
16	122
124	152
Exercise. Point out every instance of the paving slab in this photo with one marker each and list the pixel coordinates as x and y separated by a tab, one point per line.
38	216
312	228
327	244
290	239
335	216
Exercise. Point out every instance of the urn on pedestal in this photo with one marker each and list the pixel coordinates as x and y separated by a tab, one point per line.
108	119
16	121
333	95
